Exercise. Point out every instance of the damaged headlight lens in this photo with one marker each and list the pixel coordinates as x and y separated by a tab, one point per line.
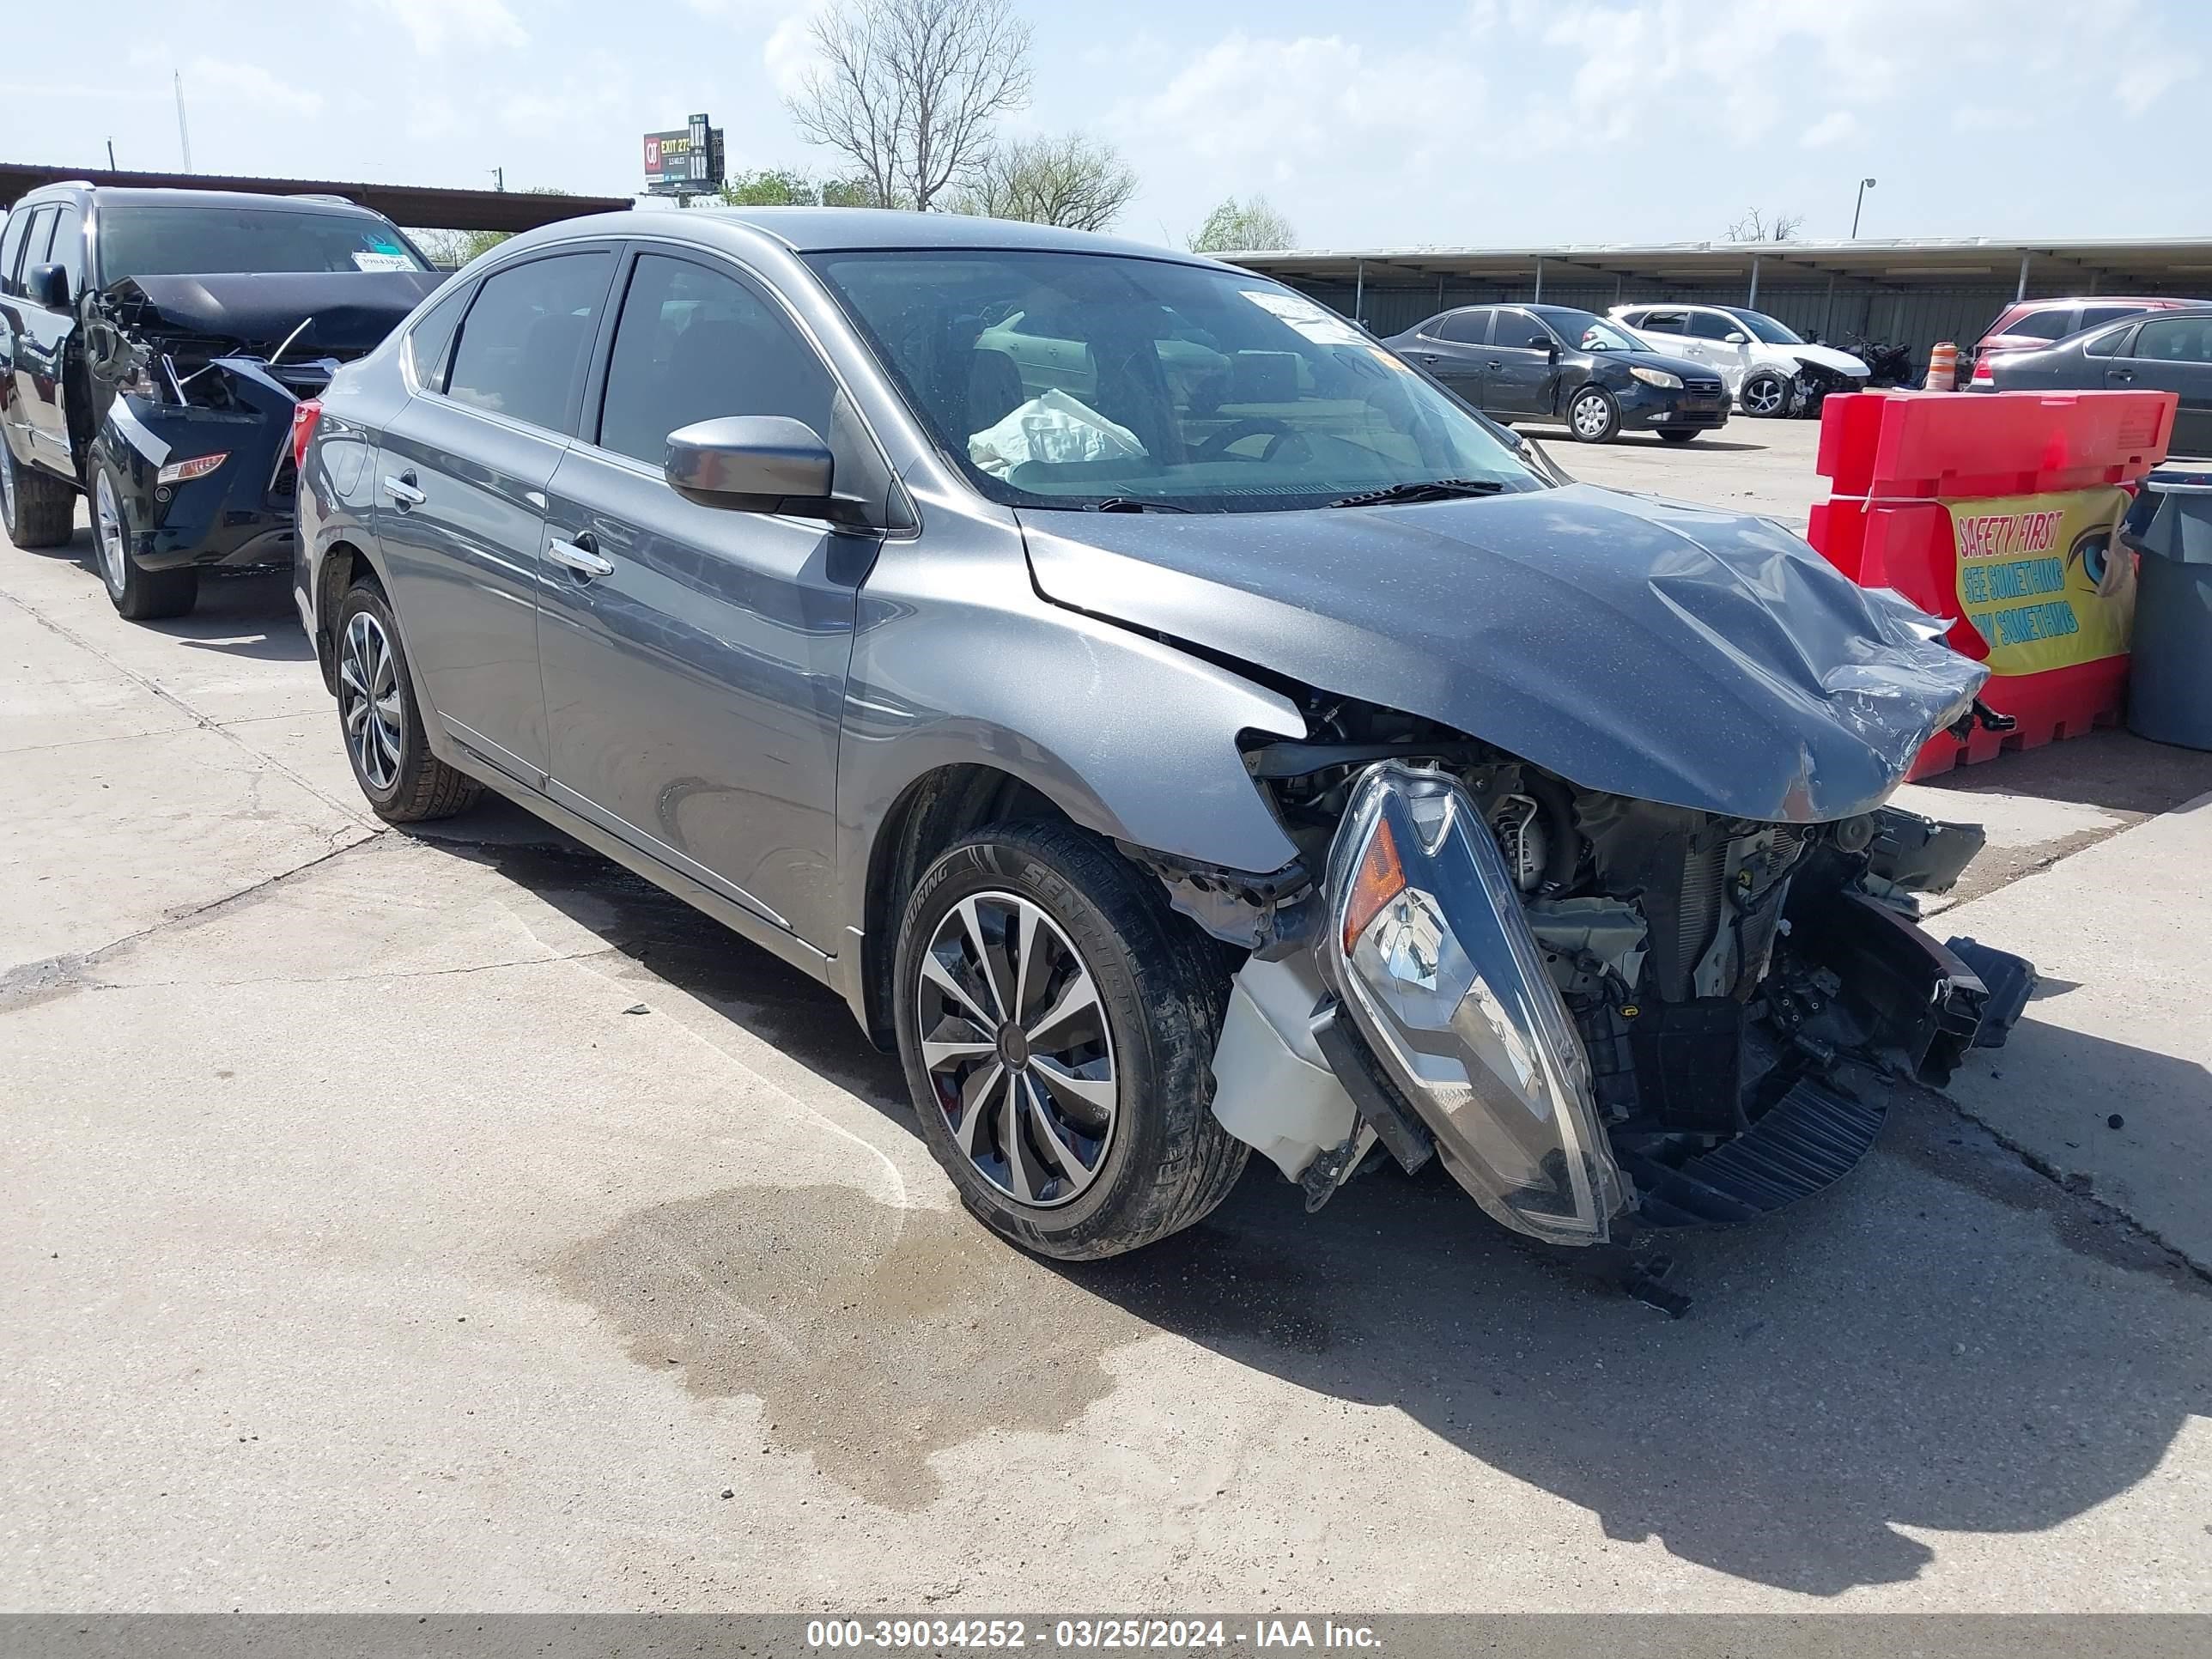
1658	377
1430	952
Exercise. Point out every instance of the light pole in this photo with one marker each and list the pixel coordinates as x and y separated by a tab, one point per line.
1865	184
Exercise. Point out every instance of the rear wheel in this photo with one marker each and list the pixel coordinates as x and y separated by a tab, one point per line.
36	509
1058	1023
1593	416
1766	395
138	594
382	724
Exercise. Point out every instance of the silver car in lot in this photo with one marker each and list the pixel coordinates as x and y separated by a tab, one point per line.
1176	724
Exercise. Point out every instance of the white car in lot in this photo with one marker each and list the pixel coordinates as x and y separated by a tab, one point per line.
1768	368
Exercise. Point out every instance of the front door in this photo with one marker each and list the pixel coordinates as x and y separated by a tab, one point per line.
40	340
1522	366
461	500
2173	354
1723	341
695	657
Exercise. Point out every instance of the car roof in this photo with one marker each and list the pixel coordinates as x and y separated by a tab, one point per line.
2161	302
123	196
822	229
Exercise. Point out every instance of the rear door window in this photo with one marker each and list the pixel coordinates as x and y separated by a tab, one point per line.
1467	327
696	343
31	254
2176	340
525	340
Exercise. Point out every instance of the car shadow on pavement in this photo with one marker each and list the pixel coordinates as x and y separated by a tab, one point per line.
2109	768
1948	1341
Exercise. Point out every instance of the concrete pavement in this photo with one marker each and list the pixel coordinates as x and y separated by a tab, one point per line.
450	1223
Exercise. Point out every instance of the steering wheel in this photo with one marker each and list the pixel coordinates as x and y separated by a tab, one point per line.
1279	432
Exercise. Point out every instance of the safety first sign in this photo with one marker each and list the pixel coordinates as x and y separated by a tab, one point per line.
2045	579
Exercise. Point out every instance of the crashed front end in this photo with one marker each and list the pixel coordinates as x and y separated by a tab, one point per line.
197	378
1600	1014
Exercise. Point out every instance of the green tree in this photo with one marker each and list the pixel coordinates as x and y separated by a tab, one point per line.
772	187
1248	227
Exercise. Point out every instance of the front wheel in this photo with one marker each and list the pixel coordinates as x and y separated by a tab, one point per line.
1593	416
1766	395
137	593
1057	1022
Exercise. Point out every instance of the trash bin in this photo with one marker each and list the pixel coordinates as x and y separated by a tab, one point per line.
2170	681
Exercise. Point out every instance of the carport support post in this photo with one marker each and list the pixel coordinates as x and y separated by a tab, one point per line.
1539	279
1753	302
2020	293
1828	310
1360	293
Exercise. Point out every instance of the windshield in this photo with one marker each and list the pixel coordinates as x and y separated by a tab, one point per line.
1764	327
1070	379
1588	332
206	241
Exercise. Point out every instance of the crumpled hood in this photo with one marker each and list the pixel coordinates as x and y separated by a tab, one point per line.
352	310
1828	357
1664	651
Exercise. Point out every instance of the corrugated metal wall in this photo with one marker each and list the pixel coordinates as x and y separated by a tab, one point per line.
1916	317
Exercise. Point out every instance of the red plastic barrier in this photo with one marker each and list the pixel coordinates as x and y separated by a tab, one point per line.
1909	470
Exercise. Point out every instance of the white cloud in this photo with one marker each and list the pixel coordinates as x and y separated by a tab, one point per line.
251	85
2147	79
432	23
1833	128
788	52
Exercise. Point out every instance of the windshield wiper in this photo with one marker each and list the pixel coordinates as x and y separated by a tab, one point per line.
1132	504
1425	490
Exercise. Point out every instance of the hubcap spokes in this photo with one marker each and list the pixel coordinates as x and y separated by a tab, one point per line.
1015	1043
107	528
369	700
1589	416
1763	396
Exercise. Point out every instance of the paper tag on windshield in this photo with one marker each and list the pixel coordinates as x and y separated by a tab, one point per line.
1318	323
382	262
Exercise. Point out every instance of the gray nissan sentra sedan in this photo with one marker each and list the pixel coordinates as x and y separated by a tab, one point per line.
1177	725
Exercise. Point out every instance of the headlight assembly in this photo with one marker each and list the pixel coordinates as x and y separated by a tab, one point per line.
1429	949
1658	377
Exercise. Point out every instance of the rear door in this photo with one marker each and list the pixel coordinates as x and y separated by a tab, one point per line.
695	657
1521	366
2173	354
461	476
1453	347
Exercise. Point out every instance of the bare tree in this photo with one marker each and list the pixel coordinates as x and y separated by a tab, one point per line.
1243	227
908	89
1078	182
1755	227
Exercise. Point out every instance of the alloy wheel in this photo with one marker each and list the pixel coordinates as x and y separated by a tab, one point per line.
1764	395
107	530
1016	1047
369	700
7	482
1590	415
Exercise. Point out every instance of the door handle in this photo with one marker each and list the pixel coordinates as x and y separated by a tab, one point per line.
403	490
579	558
1494	363
2120	374
1428	356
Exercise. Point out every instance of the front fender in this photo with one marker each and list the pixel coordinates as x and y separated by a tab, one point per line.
957	661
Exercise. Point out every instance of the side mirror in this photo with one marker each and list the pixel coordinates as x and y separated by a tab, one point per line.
1732	338
753	464
50	287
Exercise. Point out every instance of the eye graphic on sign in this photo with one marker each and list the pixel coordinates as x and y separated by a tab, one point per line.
2089	563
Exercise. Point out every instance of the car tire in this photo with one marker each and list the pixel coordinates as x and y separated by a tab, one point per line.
1680	435
137	593
1593	416
1767	397
380	722
1083	1127
36	509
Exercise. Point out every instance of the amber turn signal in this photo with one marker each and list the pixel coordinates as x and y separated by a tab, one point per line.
1380	878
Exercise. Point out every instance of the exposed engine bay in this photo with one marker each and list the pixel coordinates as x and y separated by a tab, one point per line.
1600	1013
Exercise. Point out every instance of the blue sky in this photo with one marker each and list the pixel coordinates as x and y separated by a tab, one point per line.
1483	122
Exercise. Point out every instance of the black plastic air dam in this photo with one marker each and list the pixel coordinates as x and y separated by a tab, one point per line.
1809	1139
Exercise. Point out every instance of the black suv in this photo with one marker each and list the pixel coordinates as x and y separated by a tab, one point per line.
154	344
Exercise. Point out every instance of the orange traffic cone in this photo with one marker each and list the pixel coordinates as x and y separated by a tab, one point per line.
1943	367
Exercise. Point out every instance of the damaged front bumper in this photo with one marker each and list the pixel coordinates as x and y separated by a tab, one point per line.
1425	1016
